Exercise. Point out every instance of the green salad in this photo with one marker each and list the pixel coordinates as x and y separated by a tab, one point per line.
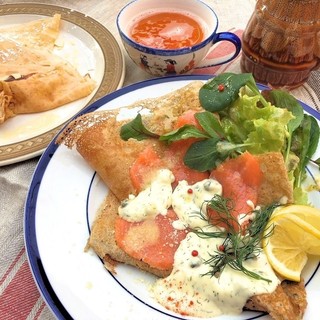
237	117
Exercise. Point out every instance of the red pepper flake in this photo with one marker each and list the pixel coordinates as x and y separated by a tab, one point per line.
221	87
221	247
190	191
194	253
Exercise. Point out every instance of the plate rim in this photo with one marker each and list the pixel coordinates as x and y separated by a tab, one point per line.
33	255
111	50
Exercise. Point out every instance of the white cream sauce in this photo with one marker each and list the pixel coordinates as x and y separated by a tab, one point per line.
153	200
188	290
188	201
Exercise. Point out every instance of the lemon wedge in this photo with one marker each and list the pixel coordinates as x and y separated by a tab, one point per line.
289	239
308	214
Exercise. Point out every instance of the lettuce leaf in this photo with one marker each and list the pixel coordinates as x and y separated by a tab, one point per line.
264	129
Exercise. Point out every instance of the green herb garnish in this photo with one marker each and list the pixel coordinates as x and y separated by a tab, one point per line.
237	246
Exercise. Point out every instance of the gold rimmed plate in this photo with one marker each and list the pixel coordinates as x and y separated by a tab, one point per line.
90	47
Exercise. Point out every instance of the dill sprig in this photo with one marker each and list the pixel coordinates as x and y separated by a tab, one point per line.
238	245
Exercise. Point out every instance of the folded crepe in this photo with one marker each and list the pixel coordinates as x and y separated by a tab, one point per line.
32	78
96	136
41	33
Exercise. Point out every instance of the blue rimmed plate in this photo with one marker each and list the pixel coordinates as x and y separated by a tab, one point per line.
64	196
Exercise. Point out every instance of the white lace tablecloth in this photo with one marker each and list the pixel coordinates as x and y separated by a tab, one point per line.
19	296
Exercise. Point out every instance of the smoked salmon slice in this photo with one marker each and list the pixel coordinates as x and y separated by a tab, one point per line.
240	179
147	162
153	241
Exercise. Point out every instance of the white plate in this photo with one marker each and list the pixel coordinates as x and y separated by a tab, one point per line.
89	47
62	201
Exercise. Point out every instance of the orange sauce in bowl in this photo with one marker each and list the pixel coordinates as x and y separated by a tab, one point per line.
167	30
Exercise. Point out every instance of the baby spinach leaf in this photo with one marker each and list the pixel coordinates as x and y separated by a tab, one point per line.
185	132
308	133
135	129
210	123
202	155
314	136
221	91
205	155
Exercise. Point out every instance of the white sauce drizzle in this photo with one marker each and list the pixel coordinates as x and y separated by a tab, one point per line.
153	200
186	290
189	200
